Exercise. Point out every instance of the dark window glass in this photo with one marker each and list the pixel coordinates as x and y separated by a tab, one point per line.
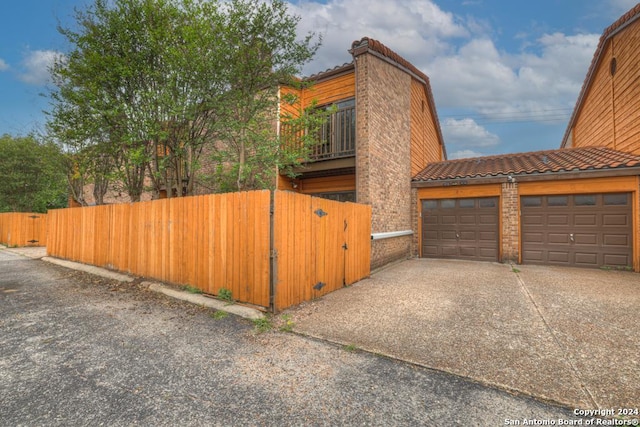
557	201
448	203
342	196
585	200
487	203
615	199
429	204
467	203
531	201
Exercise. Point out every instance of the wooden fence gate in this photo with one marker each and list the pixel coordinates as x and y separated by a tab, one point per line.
23	229
319	246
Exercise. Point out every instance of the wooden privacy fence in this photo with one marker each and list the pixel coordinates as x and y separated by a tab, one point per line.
272	258
23	229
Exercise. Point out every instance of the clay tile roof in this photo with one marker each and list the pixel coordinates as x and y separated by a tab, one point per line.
627	18
330	72
537	162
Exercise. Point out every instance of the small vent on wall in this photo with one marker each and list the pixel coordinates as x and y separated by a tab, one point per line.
613	66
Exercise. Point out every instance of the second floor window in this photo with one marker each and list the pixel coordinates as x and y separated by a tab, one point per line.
338	135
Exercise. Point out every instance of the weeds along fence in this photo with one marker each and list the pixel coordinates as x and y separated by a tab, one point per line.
269	250
23	229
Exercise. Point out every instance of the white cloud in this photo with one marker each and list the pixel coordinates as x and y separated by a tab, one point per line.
463	154
36	65
469	133
3	65
479	76
414	28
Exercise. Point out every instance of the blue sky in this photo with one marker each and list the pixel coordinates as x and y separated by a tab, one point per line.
505	73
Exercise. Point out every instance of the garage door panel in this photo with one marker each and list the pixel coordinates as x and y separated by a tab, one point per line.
430	250
533	255
487	253
559	257
558	219
467	220
587	259
449	251
616	240
448	219
448	235
557	238
488	219
533	219
468	251
617	260
533	237
468	235
488	236
586	238
595	231
429	220
615	220
585	220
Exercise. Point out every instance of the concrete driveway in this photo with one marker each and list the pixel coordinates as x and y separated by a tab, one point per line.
566	335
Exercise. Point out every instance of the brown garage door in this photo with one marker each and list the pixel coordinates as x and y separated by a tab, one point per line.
460	228
587	230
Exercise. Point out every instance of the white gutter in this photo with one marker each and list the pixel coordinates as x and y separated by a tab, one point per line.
390	234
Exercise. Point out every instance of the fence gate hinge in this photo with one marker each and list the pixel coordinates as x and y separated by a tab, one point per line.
34	217
32	241
319	286
320	212
274	253
345	247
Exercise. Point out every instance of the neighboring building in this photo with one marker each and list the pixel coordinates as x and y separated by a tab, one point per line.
575	206
607	112
384	131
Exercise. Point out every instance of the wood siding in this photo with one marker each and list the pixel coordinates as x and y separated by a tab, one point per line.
325	92
23	229
321	246
425	146
610	111
224	241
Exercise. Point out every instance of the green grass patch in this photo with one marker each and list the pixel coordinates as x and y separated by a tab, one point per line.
192	289
287	323
219	315
350	348
226	295
262	325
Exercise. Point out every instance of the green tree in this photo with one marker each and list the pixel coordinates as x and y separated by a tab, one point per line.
31	175
155	83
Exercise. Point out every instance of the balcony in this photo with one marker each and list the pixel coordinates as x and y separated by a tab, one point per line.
337	136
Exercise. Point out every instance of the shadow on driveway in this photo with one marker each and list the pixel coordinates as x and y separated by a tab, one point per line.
560	334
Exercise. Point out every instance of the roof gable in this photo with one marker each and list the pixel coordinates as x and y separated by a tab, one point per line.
369	45
608	33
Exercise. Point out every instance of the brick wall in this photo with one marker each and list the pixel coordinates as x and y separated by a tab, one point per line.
510	223
383	168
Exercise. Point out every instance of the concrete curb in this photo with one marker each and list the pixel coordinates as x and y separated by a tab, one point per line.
199	299
89	269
